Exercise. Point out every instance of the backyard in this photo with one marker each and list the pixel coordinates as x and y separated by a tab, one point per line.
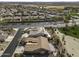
72	31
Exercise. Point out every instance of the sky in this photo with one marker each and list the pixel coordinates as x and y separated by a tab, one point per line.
39	0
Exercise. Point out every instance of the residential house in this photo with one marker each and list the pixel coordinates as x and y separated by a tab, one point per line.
37	45
3	36
36	31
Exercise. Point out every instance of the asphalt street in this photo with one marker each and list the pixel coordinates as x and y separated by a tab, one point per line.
38	24
12	46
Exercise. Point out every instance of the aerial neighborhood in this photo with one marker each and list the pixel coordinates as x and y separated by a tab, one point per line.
39	29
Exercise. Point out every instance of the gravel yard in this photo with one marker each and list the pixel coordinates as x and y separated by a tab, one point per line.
71	44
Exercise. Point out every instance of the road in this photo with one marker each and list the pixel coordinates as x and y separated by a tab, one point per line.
12	46
39	24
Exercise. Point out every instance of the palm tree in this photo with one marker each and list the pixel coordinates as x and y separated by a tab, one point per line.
45	15
20	9
66	22
44	10
73	22
13	15
63	38
38	12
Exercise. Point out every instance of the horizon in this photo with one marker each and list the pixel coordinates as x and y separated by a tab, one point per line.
39	1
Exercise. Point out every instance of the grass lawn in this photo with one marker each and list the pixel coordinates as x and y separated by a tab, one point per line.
74	13
72	31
